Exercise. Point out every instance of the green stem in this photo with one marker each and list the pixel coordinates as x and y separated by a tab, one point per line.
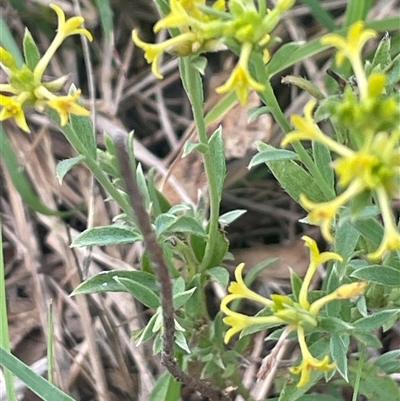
108	185
269	98
193	86
4	333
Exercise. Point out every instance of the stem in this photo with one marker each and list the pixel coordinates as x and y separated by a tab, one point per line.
161	269
192	84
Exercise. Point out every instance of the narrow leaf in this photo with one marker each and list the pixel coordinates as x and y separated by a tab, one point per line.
106	282
216	149
38	384
65	165
107	235
140	292
31	52
379	274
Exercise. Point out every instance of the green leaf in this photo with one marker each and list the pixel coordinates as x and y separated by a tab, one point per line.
186	224
106	282
393	72
38	384
323	160
139	291
379	274
181	342
376	320
106	16
148	331
82	125
335	325
166	388
382	56
370	229
374	384
8	42
220	275
293	178
229	217
65	165
141	180
339	344
389	362
304	84
190	146
18	178
182	297
346	239
199	63
220	249
271	155
368	339
31	52
107	235
217	153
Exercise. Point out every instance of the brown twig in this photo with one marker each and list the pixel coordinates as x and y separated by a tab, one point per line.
156	254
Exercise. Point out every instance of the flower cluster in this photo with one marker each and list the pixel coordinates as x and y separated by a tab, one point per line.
25	84
369	165
284	310
203	28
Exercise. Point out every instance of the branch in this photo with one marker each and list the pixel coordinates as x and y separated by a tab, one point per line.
156	254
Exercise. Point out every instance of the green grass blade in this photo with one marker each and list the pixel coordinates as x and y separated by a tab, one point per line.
357	10
8	42
38	384
106	17
4	333
21	183
320	14
50	343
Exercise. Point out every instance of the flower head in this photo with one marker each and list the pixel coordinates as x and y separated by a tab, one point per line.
284	310
240	79
350	48
12	108
71	26
309	362
65	105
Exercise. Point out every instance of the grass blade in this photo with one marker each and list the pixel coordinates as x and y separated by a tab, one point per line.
4	333
38	384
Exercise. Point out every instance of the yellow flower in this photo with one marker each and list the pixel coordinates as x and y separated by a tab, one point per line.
238	289
316	259
65	28
181	15
239	321
351	47
309	363
391	235
240	79
345	291
323	213
181	44
307	129
12	108
70	26
65	105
